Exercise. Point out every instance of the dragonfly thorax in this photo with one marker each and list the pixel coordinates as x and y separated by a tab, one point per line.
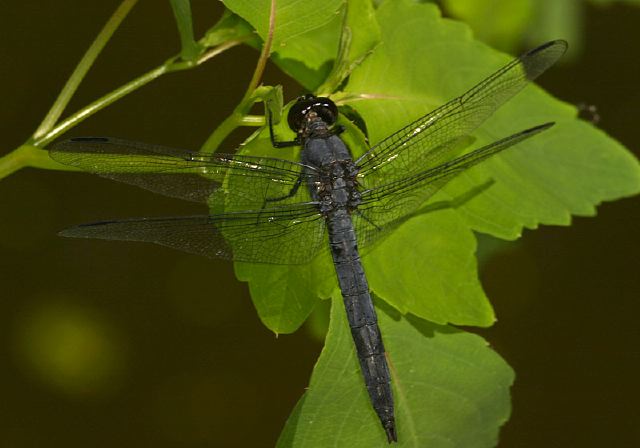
336	187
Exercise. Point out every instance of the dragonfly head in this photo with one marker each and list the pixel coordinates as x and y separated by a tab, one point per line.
323	108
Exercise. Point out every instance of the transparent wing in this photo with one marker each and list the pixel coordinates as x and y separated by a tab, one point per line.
292	234
386	207
185	174
436	136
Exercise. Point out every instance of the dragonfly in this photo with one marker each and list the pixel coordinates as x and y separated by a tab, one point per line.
272	210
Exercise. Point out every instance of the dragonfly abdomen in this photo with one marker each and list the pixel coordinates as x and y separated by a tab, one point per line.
362	317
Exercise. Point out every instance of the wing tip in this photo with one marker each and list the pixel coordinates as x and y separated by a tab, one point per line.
559	44
71	232
539	59
539	128
83	230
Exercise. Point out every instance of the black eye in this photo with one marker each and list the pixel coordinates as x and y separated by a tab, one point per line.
324	107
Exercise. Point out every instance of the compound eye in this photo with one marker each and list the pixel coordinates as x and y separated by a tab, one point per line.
323	107
298	111
326	109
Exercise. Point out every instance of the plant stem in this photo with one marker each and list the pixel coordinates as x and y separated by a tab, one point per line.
27	155
83	67
31	154
184	21
170	66
264	54
97	105
239	114
252	120
223	130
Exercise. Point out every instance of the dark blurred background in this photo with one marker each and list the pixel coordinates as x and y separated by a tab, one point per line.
108	344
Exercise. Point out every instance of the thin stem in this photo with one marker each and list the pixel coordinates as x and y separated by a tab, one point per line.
184	22
97	105
239	114
229	124
31	154
221	132
11	162
115	95
264	54
27	155
252	120
83	67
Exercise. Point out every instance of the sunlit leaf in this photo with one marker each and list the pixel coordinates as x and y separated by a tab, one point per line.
566	170
500	24
305	37
430	270
450	389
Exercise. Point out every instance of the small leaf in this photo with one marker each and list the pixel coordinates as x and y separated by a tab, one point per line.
450	389
229	27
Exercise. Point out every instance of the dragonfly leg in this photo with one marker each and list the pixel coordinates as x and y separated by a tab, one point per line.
291	193
274	142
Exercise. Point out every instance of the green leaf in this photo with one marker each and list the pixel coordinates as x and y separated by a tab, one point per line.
365	32
309	57
229	27
450	389
430	270
284	296
359	36
306	34
317	325
428	266
293	18
566	170
500	23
